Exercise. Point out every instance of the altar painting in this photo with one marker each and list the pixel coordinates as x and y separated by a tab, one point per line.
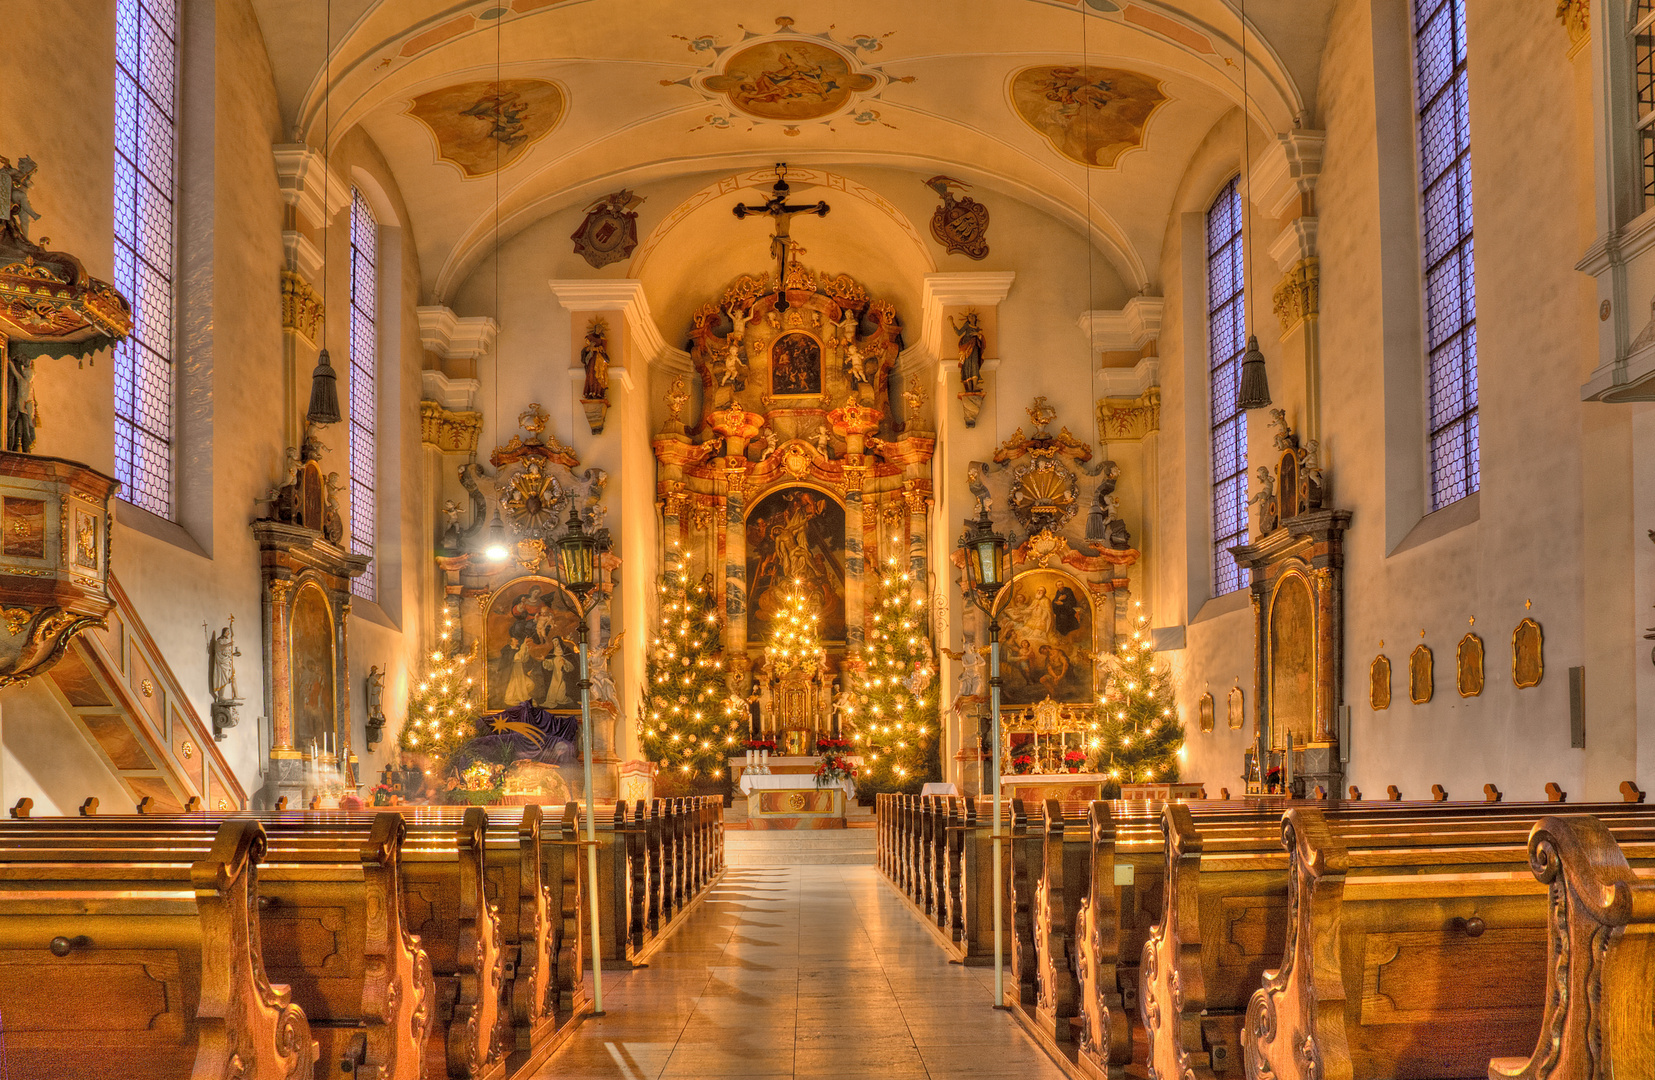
795	365
1292	662
312	666
1046	640
796	534
530	646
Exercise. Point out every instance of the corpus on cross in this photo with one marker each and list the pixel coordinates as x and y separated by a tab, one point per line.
778	207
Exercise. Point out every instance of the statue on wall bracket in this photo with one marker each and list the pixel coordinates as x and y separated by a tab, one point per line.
972	344
221	670
594	358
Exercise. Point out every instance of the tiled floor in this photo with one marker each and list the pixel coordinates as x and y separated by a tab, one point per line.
804	971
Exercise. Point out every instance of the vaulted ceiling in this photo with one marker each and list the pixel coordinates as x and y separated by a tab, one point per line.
1012	96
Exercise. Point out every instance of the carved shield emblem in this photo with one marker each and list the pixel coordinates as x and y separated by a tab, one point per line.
960	225
610	231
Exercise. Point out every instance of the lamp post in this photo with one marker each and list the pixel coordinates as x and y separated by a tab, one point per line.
987	558
577	556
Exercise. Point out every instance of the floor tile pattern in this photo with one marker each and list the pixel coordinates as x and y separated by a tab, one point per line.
802	971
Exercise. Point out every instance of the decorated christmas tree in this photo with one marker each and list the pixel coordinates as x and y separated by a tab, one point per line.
442	708
686	721
1140	739
794	643
896	719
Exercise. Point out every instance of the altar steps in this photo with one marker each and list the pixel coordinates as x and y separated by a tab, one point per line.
767	848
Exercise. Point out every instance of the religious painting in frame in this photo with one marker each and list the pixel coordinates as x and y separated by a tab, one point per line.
1528	664
795	365
530	646
796	534
1236	708
1421	675
1292	660
311	666
1468	666
1046	645
1379	683
1205	708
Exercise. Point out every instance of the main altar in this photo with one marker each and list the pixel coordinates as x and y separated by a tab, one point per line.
792	457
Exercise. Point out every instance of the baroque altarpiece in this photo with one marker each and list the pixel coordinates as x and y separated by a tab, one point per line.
793	470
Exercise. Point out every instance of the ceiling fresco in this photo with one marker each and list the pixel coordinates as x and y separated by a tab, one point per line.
1089	114
483	126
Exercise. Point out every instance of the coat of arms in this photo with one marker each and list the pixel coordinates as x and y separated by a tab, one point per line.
959	224
610	230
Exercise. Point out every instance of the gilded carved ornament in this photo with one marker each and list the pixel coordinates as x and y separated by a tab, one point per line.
1129	419
301	306
1297	296
1576	17
447	430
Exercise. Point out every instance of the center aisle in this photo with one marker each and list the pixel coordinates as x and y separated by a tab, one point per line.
801	971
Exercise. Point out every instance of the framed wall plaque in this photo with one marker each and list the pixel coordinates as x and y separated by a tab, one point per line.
1206	710
1379	683
1420	675
1468	666
1528	665
1236	708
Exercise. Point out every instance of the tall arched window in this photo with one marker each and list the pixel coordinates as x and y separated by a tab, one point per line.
1445	219
1226	343
364	397
1643	64
146	86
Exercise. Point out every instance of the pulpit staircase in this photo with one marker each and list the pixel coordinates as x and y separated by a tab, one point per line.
119	692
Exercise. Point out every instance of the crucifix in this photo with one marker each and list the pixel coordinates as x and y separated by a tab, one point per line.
777	206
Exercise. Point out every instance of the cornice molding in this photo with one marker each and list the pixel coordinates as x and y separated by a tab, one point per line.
624	296
941	291
453	338
299	173
1287	169
1126	330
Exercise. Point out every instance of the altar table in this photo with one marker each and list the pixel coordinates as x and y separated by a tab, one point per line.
791	801
1035	788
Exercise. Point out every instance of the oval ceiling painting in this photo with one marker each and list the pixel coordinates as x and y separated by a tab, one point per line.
789	80
484	126
1089	114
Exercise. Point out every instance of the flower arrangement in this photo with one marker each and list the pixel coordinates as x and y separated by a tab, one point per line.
833	769
1073	759
833	746
1023	763
762	744
381	794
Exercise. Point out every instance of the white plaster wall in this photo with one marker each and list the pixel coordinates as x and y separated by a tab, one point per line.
203	567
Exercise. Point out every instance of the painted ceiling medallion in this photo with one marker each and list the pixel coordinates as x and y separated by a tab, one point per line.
481	126
1089	114
788	77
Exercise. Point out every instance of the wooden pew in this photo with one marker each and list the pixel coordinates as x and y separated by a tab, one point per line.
1600	961
154	964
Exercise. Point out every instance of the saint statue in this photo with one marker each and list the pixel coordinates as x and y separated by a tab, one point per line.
22	414
972	344
14	195
594	357
222	676
376	694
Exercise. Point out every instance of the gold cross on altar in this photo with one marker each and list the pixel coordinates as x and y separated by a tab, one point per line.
777	206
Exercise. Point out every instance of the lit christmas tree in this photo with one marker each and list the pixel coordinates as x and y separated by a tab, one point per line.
687	722
896	718
793	637
442	709
1140	739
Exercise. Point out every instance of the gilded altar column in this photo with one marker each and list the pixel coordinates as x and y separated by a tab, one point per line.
918	506
281	672
1328	635
735	558
855	603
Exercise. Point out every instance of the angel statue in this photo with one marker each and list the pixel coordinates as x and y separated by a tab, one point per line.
14	194
971	674
845	703
854	364
732	365
848	326
603	680
979	490
739	318
823	440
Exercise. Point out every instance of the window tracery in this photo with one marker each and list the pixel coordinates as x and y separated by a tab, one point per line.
1226	344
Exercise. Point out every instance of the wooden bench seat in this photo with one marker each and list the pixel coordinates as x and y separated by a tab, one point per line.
112	965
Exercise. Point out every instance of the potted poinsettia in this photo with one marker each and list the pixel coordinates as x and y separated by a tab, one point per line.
1022	764
1073	760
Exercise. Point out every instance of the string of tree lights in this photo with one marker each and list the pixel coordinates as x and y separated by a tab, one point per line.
897	714
1140	738
442	707
687	721
794	636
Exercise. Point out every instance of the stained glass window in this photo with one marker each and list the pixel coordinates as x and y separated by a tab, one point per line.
364	399
1643	63
1445	217
146	83
1226	344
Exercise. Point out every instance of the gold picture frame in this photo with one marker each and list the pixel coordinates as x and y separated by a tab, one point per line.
1468	666
1205	708
1421	677
1379	683
1528	660
1236	707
